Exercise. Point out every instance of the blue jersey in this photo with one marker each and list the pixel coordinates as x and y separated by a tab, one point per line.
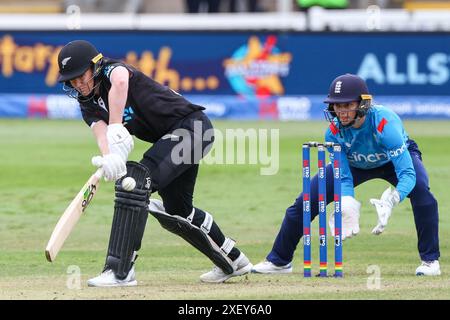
379	140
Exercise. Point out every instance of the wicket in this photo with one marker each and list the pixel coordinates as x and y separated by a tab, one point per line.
322	202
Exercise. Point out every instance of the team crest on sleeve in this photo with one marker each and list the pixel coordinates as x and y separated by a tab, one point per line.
107	70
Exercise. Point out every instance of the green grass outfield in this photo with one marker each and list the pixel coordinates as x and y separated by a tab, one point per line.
43	164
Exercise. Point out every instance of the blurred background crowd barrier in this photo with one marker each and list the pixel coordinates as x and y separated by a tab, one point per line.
242	59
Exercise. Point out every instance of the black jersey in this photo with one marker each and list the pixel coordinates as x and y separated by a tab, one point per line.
151	109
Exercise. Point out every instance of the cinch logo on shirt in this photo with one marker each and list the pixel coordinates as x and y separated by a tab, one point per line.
397	152
371	157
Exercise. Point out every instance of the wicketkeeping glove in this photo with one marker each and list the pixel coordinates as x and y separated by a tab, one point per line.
389	199
350	217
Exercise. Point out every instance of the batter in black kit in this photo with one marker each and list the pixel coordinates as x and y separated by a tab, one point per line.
118	102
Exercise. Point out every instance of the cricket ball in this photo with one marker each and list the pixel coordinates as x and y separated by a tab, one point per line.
128	183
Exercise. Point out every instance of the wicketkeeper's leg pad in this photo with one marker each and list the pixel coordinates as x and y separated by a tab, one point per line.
197	236
130	218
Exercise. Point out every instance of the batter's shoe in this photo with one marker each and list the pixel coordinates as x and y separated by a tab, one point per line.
108	279
241	266
429	268
268	267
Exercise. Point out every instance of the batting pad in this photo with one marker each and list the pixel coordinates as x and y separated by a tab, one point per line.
196	236
130	218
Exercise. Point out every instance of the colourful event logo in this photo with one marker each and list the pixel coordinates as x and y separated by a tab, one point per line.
255	69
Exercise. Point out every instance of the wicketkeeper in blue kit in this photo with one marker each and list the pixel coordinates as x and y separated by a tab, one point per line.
376	145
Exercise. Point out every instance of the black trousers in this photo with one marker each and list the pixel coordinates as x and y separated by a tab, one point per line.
173	162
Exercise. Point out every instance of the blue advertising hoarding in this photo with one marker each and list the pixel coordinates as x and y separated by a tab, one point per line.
243	63
251	69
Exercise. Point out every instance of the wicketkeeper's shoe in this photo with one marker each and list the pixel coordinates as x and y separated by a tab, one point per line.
429	268
241	266
108	279
268	267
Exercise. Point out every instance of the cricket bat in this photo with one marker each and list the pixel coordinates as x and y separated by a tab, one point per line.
71	215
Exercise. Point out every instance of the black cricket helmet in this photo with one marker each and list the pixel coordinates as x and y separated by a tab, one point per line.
345	89
75	58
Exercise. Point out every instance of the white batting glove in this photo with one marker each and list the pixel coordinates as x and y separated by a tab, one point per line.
350	217
113	166
389	199
120	141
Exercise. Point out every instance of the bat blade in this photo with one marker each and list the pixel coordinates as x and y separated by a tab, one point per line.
71	216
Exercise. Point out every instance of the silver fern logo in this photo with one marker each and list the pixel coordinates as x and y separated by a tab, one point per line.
64	61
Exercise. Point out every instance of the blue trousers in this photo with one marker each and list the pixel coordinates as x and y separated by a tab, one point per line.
424	206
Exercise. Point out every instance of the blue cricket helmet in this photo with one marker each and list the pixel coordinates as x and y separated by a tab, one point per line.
345	89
